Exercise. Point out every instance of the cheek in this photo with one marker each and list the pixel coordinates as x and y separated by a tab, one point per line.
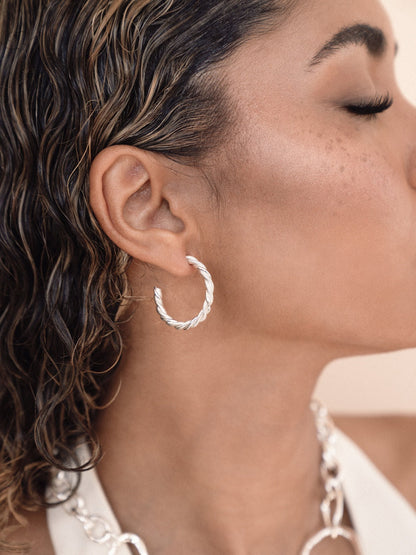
322	241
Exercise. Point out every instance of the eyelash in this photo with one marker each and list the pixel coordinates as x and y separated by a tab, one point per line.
371	109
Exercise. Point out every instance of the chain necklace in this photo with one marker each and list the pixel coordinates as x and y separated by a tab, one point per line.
98	530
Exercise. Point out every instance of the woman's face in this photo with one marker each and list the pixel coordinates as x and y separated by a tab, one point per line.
316	239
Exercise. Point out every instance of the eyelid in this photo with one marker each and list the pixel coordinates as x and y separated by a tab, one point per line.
372	106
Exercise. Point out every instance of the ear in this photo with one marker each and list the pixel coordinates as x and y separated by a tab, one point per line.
129	195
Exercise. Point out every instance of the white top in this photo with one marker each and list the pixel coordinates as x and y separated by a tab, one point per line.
384	521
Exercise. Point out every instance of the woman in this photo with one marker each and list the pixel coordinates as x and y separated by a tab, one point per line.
265	144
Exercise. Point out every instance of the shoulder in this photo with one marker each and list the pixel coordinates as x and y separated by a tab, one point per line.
34	534
390	443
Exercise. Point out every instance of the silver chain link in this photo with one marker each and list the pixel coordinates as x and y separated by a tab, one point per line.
332	507
96	528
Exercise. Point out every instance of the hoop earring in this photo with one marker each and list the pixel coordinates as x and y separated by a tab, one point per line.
209	299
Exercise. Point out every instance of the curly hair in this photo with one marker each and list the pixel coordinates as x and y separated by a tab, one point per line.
77	76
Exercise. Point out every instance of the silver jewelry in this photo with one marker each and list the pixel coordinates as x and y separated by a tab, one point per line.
332	477
99	531
96	528
209	299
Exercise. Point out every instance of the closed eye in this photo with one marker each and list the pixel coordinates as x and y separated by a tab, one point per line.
371	108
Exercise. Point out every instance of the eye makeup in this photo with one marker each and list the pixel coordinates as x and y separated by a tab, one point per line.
372	107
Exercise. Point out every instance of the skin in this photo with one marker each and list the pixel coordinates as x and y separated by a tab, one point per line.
210	446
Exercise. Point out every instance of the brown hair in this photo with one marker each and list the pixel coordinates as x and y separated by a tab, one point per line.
77	76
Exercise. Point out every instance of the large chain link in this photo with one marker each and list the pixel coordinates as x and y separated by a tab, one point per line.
332	507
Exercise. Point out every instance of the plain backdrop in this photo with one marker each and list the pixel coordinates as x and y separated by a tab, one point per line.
380	383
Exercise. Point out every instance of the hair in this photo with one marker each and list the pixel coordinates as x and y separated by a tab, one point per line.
77	76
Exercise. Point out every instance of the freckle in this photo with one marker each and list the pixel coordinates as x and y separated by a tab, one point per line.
330	146
342	169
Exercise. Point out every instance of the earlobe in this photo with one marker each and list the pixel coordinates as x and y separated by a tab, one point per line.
127	197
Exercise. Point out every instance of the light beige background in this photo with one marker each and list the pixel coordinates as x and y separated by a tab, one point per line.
380	383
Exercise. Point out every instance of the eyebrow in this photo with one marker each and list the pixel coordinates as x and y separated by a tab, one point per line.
360	34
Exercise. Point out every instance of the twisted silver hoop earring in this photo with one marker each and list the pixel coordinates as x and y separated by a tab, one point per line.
209	299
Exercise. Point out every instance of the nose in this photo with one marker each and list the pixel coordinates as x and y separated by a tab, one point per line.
409	133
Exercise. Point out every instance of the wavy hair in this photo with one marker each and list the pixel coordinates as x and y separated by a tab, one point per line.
77	76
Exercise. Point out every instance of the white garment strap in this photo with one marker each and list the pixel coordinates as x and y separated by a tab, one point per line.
382	517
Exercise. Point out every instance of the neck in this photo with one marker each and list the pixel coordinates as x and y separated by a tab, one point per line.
210	445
